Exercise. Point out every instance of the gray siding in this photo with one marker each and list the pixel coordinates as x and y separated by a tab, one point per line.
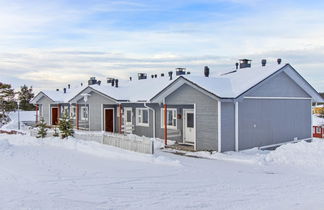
280	85
228	126
266	122
206	115
95	102
45	103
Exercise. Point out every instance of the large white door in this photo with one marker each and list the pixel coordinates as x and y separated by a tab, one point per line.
128	120
189	126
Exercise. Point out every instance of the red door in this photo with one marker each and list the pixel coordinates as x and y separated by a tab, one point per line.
109	120
54	116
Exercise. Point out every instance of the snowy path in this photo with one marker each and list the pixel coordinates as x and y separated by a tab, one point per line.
56	174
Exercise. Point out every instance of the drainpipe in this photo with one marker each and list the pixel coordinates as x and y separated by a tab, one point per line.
153	110
36	113
120	118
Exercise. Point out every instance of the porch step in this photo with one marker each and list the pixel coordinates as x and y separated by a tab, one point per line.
183	147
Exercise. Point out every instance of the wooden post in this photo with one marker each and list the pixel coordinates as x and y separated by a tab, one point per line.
165	125
120	118
36	113
59	113
77	117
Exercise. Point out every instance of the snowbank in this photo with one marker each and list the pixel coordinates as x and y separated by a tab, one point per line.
24	116
318	120
88	147
302	154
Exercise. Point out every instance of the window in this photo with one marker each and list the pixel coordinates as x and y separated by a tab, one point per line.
142	116
318	130
84	113
171	118
73	112
64	110
190	120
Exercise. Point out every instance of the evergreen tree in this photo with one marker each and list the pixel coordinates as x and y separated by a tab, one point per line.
25	95
7	101
42	130
65	126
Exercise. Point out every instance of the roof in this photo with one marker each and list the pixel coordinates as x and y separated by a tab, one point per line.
229	85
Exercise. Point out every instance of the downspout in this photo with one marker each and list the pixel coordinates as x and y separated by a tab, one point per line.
153	110
120	118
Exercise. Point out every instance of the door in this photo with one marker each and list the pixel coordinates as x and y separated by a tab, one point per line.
128	120
189	131
109	120
54	115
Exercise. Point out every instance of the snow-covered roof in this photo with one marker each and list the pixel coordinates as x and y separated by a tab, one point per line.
234	84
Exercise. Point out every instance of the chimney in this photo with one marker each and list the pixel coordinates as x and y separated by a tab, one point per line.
113	82
142	76
263	62
170	74
245	63
236	65
116	83
180	71
69	86
279	61
64	90
206	71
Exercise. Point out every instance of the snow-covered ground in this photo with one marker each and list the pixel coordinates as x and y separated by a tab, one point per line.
72	174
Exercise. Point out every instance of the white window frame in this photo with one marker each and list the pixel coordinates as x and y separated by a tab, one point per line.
73	110
174	115
139	117
82	112
64	109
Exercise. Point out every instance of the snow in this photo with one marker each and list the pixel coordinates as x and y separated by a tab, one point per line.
72	174
24	116
318	120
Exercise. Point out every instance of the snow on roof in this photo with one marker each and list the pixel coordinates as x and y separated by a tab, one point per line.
135	90
60	96
234	84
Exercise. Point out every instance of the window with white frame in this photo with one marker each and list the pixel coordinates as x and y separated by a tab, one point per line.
171	118
64	110
72	112
84	113
142	116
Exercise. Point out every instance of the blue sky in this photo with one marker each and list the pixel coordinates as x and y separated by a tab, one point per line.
48	44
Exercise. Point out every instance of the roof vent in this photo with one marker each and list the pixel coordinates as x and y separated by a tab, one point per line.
236	65
188	72
206	71
64	90
155	75
152	76
279	61
162	74
69	86
57	89
130	78
92	81
180	71
113	82
99	82
142	76
170	74
263	62
116	83
245	63
81	84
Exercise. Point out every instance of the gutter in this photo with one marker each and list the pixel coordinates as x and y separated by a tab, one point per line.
153	110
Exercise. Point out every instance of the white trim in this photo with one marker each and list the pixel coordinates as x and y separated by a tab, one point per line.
277	98
82	116
89	116
162	117
51	111
195	121
153	123
311	115
236	127
141	123
49	115
219	137
183	126
105	119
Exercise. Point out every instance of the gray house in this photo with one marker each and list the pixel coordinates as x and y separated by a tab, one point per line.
245	108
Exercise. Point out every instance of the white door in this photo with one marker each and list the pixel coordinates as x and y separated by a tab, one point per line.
128	120
189	126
